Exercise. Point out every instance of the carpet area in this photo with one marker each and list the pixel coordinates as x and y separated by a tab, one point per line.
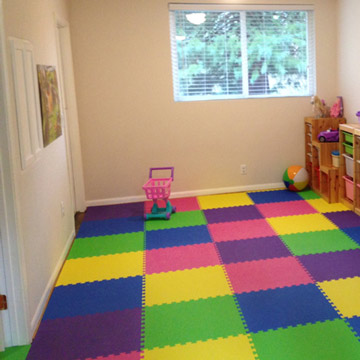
270	275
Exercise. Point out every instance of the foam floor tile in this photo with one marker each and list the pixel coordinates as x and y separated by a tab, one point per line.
323	206
133	355
318	242
192	321
354	233
252	249
300	224
165	288
285	307
181	204
107	245
101	268
330	266
344	219
88	336
329	340
308	194
177	237
111	227
181	219
287	208
231	348
180	258
266	274
344	294
114	211
96	297
238	230
224	200
355	324
246	212
274	196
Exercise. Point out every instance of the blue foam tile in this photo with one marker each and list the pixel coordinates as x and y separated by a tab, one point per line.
111	226
354	233
95	297
177	237
355	324
274	196
279	308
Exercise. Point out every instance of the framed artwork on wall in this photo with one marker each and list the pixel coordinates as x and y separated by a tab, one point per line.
50	103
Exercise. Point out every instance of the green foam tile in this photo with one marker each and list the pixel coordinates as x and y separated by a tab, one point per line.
330	340
107	245
180	219
318	242
204	319
15	353
309	195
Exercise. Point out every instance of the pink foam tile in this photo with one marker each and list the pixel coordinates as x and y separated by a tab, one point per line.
286	208
266	274
238	230
134	355
182	204
181	257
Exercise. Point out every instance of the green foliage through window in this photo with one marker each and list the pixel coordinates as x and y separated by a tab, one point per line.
235	54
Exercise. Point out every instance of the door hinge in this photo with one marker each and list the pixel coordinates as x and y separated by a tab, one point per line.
3	302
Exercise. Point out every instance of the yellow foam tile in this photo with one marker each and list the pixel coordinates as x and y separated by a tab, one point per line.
231	348
224	200
345	294
101	268
323	206
192	284
300	224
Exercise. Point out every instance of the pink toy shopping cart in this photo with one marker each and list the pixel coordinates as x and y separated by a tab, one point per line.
159	189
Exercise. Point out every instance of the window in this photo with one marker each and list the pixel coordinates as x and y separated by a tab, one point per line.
233	51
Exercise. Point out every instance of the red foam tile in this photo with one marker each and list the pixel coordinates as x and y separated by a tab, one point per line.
180	258
184	204
239	230
287	208
266	274
134	355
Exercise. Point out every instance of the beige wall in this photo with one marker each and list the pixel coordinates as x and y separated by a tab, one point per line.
44	184
130	122
349	56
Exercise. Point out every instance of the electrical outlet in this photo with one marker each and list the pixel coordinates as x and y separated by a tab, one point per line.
243	169
62	208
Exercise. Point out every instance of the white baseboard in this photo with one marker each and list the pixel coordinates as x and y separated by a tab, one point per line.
182	194
47	292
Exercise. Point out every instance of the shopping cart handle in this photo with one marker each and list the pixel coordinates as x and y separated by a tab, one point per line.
163	168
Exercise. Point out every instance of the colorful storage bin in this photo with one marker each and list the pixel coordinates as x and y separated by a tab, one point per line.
349	165
348	149
348	137
349	188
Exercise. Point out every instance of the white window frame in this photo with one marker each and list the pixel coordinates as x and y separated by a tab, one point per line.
234	7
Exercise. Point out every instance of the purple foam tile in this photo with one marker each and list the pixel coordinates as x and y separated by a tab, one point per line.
332	266
114	211
252	249
246	212
344	219
88	336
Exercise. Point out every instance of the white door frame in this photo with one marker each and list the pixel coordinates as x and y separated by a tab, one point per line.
69	112
16	321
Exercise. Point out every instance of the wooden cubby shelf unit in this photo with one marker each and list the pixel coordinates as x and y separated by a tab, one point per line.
349	193
324	177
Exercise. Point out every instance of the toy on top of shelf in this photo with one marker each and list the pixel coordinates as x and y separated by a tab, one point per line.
330	135
320	109
159	189
358	115
337	110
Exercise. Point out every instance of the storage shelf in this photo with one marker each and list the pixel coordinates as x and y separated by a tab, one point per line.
324	177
